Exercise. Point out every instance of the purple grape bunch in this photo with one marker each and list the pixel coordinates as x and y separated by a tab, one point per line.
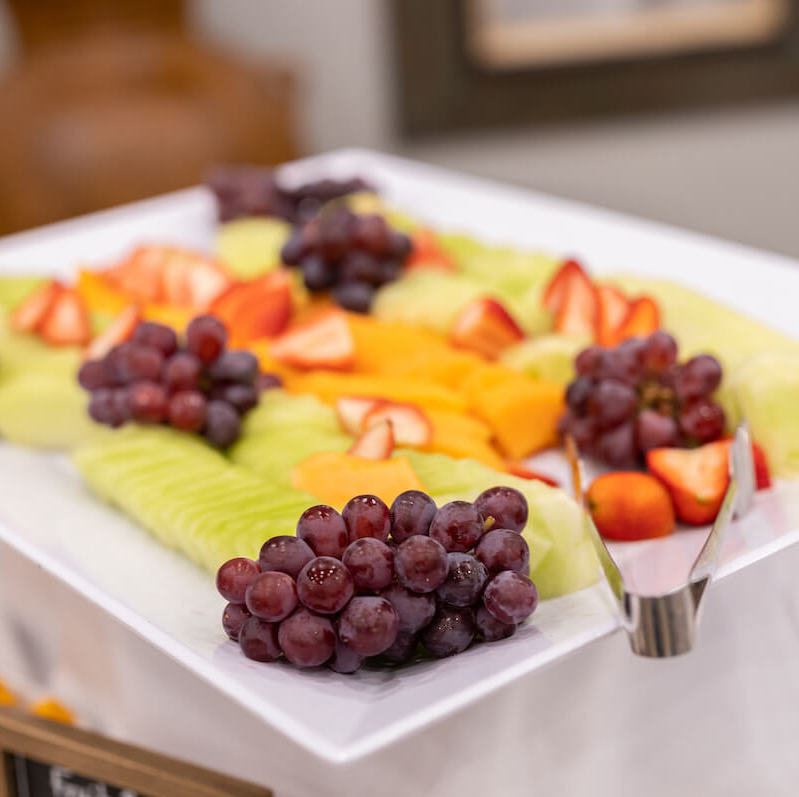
347	254
383	585
201	387
637	396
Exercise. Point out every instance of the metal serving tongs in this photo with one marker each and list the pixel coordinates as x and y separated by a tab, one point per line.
666	625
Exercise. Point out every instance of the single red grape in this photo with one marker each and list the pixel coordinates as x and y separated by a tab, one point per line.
148	402
414	610
611	403
368	625
451	631
206	337
502	549
402	648
506	505
660	352
510	597
159	336
698	377
234	366
233	618
93	374
135	363
325	585
241	397
457	525
344	660
307	640
286	554
617	447
271	596
466	577
491	629
234	576
367	516
702	420
187	409
421	564
655	430
578	393
354	296
587	361
324	530
222	424
371	563
411	513
372	234
182	371
258	640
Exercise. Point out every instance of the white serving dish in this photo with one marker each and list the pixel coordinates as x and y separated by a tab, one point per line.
48	516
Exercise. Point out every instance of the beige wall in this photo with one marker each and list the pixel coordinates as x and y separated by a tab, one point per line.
732	173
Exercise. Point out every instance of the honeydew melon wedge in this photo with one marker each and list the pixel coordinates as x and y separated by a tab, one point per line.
13	289
562	557
251	247
548	357
278	409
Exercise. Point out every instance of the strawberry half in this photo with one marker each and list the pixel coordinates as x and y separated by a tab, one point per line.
67	321
613	307
410	425
578	310
324	342
352	410
642	319
31	312
555	291
696	478
259	308
377	442
118	331
523	472
427	253
486	327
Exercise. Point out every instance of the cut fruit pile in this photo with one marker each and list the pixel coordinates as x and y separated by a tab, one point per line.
471	359
377	582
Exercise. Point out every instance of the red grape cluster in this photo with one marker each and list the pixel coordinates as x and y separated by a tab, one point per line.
200	387
634	397
374	581
255	191
349	255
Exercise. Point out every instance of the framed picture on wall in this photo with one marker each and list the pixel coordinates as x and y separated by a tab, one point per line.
473	63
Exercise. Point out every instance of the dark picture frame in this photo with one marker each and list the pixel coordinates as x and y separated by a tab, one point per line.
444	87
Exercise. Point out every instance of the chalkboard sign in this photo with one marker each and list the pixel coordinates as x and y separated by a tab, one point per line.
40	758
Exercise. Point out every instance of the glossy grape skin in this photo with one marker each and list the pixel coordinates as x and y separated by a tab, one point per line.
491	629
506	505
655	430
583	430
510	597
135	363
503	549
234	366
457	525
258	640
286	554
148	402
307	640
354	296
411	513
371	564
271	596
451	631
241	397
186	410
222	424
233	618
367	516
344	660
399	245
659	352
578	393
368	625
421	564
414	610
698	377
182	371
294	249
617	447
360	266
588	360
702	420
612	403
234	576
325	585
104	407
159	336
206	337
324	530
402	648
317	274
466	577
372	234
93	374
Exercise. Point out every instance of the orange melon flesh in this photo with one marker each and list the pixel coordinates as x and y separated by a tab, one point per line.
331	386
462	447
334	477
523	416
458	424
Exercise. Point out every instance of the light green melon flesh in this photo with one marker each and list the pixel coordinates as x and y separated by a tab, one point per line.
13	289
251	247
548	357
278	409
562	557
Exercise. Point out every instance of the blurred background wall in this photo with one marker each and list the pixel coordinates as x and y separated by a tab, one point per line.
732	172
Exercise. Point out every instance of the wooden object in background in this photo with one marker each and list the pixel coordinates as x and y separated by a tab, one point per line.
113	101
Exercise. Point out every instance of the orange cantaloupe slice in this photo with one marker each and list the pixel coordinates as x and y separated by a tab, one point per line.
334	477
459	424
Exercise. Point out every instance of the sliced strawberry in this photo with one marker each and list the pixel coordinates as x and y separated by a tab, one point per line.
411	426
427	253
207	280
67	321
555	291
324	342
642	319
352	410
118	331
696	478
486	327
613	307
577	314
141	274
377	442
762	472
259	308
523	472
31	312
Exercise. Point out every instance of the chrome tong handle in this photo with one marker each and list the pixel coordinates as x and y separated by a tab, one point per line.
666	625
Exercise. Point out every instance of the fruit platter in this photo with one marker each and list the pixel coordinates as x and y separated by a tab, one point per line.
319	415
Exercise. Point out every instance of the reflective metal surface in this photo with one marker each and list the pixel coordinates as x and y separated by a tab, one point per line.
665	625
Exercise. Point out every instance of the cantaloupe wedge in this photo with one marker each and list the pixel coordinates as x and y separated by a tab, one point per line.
459	424
334	478
331	386
462	447
523	414
447	367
